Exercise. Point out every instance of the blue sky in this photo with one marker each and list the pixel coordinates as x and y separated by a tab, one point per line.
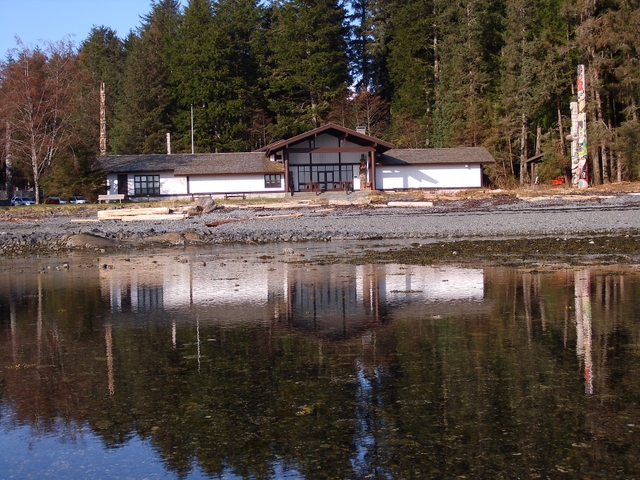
38	21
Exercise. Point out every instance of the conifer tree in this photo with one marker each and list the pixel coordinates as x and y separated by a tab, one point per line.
308	63
102	57
216	69
145	111
468	52
410	62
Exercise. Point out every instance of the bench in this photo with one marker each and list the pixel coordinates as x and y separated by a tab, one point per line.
108	198
235	195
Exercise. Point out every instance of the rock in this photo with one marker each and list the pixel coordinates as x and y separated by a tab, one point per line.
203	205
193	237
89	241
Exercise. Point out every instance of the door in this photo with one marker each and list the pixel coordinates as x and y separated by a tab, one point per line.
122	184
325	179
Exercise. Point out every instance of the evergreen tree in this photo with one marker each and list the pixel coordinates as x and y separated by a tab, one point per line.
467	70
102	57
146	109
411	65
309	65
216	69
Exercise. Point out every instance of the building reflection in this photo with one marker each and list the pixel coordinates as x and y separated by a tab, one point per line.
371	352
335	301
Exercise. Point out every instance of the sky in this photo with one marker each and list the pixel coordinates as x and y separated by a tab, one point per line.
39	21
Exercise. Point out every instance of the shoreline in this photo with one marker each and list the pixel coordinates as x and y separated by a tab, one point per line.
495	229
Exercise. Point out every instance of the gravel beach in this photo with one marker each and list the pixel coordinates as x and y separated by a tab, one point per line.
495	217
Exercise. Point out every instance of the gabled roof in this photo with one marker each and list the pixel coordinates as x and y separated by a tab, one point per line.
421	156
338	131
191	164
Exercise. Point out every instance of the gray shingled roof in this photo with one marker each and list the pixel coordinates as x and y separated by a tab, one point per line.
191	164
421	156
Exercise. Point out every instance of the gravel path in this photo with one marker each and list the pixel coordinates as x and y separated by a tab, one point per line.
498	216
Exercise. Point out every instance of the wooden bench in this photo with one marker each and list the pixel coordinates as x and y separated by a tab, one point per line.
108	198
235	195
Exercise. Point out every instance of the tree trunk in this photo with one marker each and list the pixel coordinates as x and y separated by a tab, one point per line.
35	168
523	150
8	163
563	145
596	173
618	167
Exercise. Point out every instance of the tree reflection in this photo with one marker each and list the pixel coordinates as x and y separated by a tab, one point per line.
394	375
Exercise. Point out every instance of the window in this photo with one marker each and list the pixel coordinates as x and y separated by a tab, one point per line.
147	184
273	180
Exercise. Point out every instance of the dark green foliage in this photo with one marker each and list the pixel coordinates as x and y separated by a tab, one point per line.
628	147
145	110
308	63
216	68
417	73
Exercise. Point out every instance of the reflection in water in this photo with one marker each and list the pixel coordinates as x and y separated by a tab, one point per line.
583	326
269	370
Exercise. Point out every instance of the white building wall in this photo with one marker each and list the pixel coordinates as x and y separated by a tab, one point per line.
231	184
428	176
170	185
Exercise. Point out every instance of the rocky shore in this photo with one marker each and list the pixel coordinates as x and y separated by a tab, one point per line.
497	225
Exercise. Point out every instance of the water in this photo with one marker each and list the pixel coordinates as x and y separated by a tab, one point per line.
237	364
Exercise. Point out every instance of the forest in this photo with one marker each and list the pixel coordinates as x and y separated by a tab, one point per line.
416	73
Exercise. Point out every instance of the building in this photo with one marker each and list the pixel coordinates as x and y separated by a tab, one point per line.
324	159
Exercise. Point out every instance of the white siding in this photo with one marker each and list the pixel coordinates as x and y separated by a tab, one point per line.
112	184
428	176
170	185
231	184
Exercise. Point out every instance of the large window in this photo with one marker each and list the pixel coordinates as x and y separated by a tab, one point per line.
147	184
325	173
273	181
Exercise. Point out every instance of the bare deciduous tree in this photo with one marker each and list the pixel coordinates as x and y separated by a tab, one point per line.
39	97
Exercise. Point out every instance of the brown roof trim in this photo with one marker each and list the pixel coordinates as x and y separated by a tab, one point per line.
380	145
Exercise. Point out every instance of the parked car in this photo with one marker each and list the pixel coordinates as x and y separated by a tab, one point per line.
54	200
17	201
77	199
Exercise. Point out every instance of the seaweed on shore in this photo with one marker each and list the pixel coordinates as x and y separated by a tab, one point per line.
573	250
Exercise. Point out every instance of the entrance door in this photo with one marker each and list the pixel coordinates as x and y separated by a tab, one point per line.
122	184
325	179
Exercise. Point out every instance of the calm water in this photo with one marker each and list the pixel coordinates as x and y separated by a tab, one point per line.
202	365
